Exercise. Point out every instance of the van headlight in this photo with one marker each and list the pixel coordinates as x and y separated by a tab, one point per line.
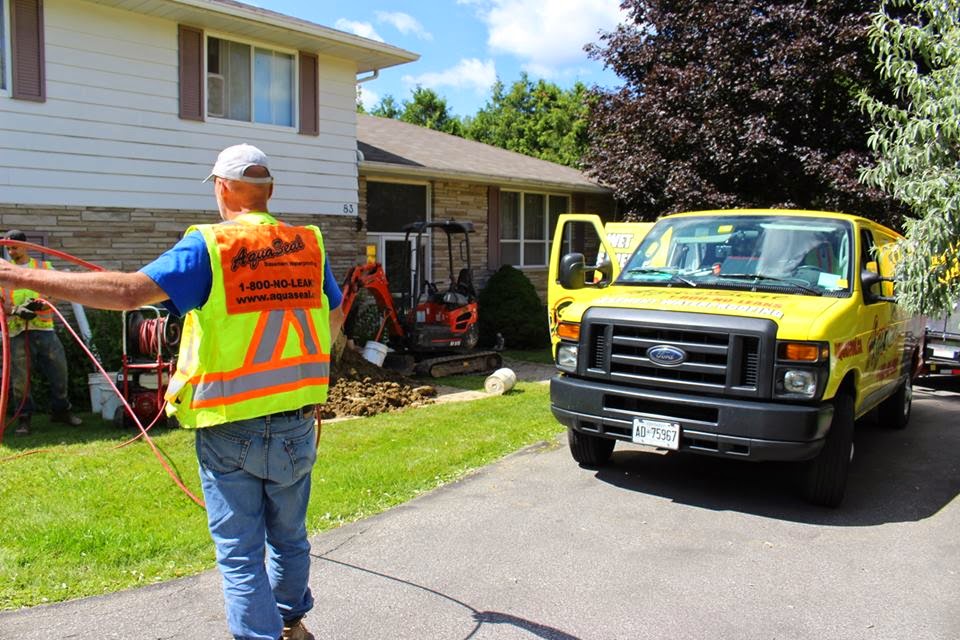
802	368
567	357
801	382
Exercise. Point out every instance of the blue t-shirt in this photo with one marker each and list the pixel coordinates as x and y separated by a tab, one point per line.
184	274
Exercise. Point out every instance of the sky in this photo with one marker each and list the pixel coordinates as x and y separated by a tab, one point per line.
466	45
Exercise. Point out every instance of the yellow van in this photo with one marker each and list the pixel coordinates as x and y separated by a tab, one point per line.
745	334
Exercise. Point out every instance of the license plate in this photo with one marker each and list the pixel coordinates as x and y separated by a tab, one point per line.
656	433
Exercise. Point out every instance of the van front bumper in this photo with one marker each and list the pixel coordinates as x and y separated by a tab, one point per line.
726	427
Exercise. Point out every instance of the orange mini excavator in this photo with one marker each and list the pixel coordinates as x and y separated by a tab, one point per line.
432	329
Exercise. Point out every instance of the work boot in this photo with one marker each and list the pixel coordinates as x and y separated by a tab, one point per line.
23	426
65	417
296	631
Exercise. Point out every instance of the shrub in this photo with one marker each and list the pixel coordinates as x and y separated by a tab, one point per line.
365	321
509	305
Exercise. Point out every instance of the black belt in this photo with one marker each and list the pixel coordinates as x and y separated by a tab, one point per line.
302	412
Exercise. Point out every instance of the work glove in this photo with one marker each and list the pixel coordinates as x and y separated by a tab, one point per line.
21	311
33	304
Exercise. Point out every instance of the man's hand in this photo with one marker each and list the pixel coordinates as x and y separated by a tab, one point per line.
22	311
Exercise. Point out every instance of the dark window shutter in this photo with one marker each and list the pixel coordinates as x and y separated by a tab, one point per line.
26	47
493	227
191	73
309	95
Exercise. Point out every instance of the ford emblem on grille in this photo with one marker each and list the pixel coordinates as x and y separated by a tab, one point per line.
666	356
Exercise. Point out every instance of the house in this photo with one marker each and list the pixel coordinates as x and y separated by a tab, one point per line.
410	173
113	111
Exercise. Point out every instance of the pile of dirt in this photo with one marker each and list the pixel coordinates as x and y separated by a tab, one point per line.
360	388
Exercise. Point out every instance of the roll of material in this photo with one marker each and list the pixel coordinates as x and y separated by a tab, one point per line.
500	381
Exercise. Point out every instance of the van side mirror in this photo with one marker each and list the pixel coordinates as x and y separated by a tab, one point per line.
869	279
572	273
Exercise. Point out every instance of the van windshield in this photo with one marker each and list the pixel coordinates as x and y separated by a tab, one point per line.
783	253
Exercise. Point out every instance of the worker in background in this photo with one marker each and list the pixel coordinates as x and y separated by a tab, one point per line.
261	310
30	324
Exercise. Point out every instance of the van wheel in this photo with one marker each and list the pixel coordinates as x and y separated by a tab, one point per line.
589	451
825	477
894	412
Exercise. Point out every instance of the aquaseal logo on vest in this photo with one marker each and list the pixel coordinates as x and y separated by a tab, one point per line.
666	355
278	248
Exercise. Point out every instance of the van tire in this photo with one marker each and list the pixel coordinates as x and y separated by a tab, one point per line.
894	412
589	451
825	477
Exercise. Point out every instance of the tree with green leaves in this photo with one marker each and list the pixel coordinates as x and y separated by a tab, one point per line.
916	137
428	109
387	108
537	119
736	104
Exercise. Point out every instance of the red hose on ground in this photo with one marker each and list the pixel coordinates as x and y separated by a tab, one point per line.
143	432
4	389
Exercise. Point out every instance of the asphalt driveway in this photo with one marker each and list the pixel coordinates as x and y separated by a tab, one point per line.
649	547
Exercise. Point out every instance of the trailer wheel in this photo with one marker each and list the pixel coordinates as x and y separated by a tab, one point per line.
589	451
825	477
894	412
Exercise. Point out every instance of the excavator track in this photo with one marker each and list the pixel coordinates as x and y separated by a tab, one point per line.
474	362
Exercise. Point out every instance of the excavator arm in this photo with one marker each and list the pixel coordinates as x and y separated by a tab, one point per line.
371	277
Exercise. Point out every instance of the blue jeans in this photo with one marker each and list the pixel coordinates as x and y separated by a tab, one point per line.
47	358
255	476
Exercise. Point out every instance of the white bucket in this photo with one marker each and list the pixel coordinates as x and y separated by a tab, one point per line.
109	405
500	381
374	352
99	390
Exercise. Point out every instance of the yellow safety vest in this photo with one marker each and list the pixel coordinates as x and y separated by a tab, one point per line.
44	319
261	342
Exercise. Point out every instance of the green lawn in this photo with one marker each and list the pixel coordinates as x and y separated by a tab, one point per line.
83	518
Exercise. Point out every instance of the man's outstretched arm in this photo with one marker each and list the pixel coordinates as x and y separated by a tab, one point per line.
101	289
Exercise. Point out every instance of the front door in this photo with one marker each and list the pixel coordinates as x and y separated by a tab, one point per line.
392	253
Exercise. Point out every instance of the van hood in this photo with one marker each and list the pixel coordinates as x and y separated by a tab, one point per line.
796	315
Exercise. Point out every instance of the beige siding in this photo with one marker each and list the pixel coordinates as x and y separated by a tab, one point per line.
109	136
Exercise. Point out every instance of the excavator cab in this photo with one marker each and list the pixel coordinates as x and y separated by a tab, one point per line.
442	314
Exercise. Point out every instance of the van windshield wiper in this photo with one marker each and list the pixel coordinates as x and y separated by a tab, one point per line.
673	276
757	277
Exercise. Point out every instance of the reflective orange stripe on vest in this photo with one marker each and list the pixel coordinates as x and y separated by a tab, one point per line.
265	370
263	268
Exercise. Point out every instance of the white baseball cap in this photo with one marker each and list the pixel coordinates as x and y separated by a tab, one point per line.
233	161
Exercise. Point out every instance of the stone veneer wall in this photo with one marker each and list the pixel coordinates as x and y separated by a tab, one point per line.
463	202
126	239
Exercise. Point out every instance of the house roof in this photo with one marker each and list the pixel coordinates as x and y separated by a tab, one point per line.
241	19
395	148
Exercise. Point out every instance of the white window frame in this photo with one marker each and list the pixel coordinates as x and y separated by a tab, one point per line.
254	45
547	240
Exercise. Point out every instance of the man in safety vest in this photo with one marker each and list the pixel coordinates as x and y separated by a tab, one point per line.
34	344
262	308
